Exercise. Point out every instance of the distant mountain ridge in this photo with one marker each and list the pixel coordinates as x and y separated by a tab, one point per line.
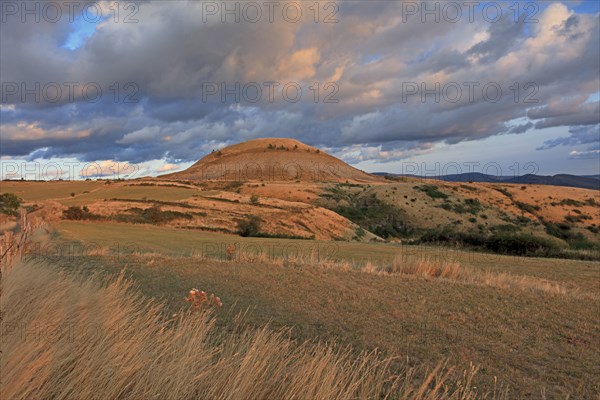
578	181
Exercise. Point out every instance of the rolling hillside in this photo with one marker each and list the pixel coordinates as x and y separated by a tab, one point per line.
328	199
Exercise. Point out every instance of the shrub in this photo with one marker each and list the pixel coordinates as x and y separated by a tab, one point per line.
577	218
571	202
469	188
9	204
504	192
432	191
581	243
499	242
521	244
376	216
559	230
522	220
471	206
250	226
449	235
527	207
233	185
151	215
77	213
254	199
360	233
506	228
446	206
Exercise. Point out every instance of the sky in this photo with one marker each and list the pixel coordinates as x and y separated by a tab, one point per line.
90	88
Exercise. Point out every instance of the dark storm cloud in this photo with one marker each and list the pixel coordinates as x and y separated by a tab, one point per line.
577	135
171	56
521	128
586	114
569	28
503	36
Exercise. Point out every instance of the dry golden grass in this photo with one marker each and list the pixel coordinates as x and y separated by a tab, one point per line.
423	267
427	268
67	337
455	272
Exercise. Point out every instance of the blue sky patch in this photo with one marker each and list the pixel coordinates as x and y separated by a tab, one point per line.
82	30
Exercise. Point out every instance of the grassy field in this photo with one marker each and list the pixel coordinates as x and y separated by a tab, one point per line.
584	275
533	342
530	324
36	191
418	320
77	338
85	192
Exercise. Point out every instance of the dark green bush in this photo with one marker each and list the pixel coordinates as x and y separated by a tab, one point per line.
378	217
527	207
505	228
473	206
9	204
368	212
504	192
503	243
446	206
250	226
593	229
77	213
432	191
571	202
521	244
151	215
559	230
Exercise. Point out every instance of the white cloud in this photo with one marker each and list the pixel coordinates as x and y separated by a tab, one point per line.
588	154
